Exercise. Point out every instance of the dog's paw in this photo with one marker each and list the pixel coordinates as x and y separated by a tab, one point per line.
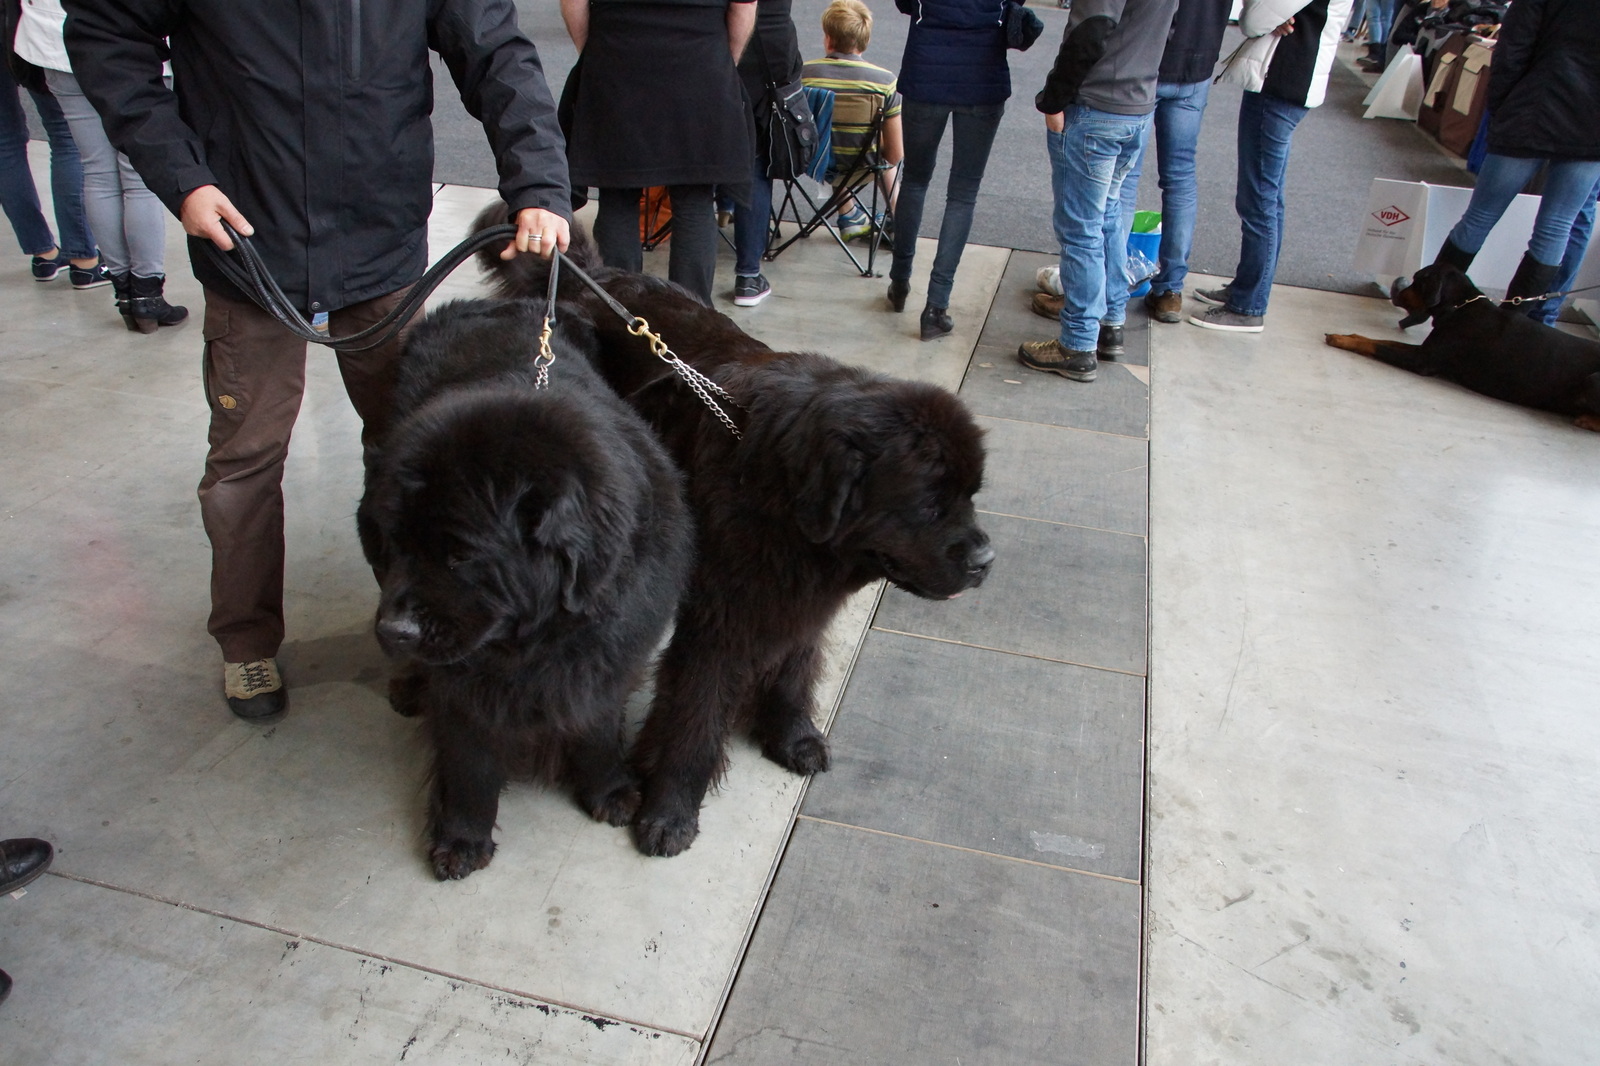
1589	422
455	859
617	807
803	752
665	834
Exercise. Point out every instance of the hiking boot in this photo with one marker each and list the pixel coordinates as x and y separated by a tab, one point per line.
1109	344
1164	306
89	277
747	292
1214	297
936	322
254	689
1050	357
1047	305
1232	321
47	269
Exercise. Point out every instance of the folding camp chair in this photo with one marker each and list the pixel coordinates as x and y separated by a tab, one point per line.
850	183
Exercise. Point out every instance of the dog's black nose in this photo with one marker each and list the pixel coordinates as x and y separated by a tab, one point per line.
398	634
979	558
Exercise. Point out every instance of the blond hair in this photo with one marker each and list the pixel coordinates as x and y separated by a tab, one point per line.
848	24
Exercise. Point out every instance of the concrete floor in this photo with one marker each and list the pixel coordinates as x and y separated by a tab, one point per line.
1366	601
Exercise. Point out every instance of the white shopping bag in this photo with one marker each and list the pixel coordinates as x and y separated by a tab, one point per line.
1398	93
1407	221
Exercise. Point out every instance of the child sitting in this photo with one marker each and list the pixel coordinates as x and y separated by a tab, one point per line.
846	31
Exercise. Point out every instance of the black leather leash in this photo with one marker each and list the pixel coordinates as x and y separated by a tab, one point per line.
251	276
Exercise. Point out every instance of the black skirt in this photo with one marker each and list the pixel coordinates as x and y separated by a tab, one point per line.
655	100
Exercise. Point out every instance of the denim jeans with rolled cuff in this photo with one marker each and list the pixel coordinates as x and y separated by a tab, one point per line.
1090	161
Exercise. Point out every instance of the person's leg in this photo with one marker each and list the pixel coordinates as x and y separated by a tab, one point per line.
1500	179
923	126
102	178
19	197
1266	129
66	183
1083	168
1117	222
616	229
752	224
253	374
1568	189
370	376
1179	111
1572	258
692	259
972	136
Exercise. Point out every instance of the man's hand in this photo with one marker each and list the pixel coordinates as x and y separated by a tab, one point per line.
1056	123
205	210
1286	29
540	232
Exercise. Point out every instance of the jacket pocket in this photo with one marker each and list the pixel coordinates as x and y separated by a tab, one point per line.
353	55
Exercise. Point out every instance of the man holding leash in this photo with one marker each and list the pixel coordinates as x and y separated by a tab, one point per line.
307	128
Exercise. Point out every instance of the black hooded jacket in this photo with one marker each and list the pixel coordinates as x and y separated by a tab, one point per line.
1544	83
314	118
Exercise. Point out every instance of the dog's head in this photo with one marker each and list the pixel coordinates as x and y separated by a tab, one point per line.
1436	289
885	471
486	523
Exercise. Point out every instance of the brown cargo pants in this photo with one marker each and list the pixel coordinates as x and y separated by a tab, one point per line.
254	373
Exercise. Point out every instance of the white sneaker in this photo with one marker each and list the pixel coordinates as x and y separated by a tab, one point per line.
255	689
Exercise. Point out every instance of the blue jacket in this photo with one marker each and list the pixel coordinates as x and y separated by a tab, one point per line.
955	52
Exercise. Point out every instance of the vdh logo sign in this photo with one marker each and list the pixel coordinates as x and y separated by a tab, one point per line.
1391	216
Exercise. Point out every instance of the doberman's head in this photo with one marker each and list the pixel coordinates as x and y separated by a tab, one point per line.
1434	290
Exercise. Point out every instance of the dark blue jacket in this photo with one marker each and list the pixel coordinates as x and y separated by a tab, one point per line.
955	52
1195	41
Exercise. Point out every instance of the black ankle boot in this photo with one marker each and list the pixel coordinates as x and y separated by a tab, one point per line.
122	289
1532	278
898	291
1455	255
149	308
935	322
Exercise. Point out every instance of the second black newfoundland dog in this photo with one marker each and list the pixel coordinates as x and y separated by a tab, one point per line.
530	546
842	477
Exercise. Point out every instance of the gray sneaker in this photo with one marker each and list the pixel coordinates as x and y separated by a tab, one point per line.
1214	297
1232	321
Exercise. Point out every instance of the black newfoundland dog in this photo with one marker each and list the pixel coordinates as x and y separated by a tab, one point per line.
842	477
530	547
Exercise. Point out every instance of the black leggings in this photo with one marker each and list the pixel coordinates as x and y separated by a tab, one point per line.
693	259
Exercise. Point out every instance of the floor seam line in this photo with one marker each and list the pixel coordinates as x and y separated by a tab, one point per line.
1064	525
353	950
969	851
1008	651
1069	429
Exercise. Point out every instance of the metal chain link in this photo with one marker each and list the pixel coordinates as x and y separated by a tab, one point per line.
702	386
542	361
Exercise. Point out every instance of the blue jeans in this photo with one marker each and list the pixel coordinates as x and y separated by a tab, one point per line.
1379	14
922	125
1566	186
1090	161
1179	109
752	224
1572	259
1266	128
19	197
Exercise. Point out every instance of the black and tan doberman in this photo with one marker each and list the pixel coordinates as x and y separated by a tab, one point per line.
1492	350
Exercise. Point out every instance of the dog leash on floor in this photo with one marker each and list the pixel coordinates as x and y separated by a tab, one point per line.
255	280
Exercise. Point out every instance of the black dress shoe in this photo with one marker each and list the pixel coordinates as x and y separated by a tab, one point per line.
22	860
935	322
898	291
1110	344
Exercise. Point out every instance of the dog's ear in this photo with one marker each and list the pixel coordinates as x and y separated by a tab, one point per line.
829	488
559	525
